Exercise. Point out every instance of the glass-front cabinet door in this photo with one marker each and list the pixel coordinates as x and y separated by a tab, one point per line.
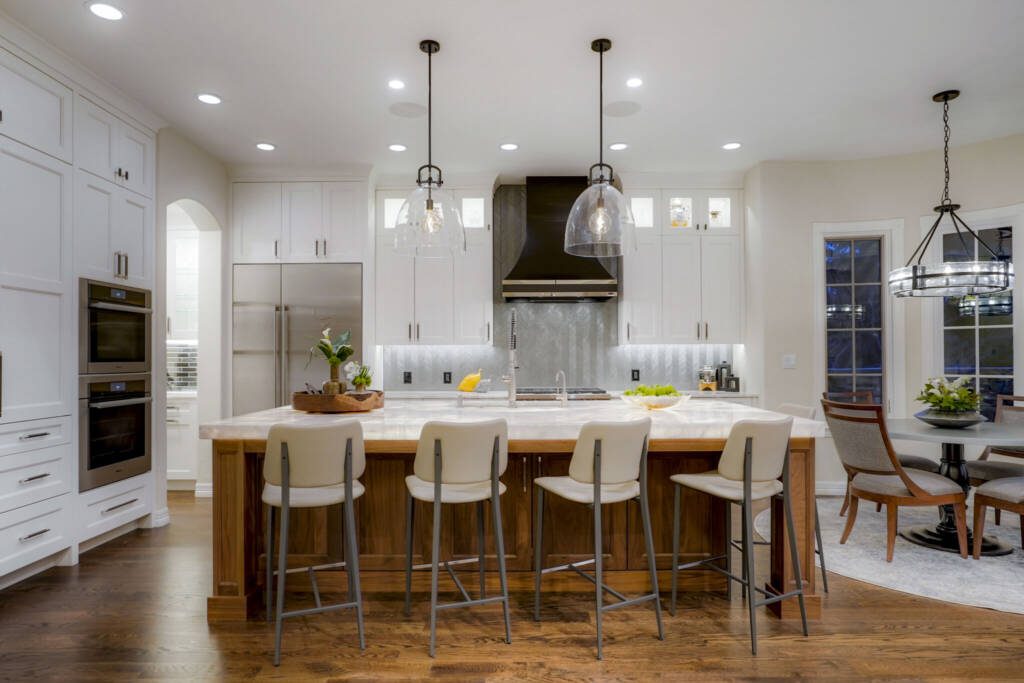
701	211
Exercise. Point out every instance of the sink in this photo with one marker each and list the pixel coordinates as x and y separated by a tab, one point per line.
552	393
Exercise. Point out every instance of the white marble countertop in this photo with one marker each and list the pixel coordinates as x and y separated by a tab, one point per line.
401	419
501	393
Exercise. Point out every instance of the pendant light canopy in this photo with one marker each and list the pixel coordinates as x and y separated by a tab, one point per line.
600	223
989	274
428	221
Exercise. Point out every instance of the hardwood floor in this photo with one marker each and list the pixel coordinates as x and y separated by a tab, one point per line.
134	609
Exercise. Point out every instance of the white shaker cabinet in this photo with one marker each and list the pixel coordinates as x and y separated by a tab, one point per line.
113	150
640	306
182	437
435	304
302	221
256	217
37	342
114	240
34	108
395	294
346	225
720	269
681	293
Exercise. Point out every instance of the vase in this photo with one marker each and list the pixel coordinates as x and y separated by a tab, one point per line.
334	385
950	420
359	388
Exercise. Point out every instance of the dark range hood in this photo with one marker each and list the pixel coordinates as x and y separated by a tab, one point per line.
544	272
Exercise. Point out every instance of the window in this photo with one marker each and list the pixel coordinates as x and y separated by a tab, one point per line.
977	332
854	315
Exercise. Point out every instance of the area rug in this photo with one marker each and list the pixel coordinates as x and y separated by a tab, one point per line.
992	582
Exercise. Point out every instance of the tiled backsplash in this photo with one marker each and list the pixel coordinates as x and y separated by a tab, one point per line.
182	363
579	338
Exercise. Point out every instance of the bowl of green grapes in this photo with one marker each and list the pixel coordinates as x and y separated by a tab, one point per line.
654	397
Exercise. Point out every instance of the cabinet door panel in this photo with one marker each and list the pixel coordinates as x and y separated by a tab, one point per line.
135	157
345	227
132	235
434	300
641	292
36	108
680	267
395	278
302	221
721	286
473	293
96	132
96	207
36	362
256	220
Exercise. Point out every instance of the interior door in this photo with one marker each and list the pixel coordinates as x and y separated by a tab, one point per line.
316	296
255	337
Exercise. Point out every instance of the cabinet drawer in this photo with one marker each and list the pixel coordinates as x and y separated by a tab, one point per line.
108	507
34	531
24	436
35	475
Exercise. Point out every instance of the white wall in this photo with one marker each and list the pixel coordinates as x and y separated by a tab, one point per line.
186	172
786	198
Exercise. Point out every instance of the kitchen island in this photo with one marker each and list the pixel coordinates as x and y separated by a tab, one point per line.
687	438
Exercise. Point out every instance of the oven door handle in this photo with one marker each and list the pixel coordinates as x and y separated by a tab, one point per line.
104	306
99	405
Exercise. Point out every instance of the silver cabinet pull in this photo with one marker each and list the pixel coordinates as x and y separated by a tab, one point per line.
126	174
488	331
417	331
126	265
120	505
316	247
117	264
628	332
34	534
34	477
410	331
698	329
706	335
325	247
33	435
275	248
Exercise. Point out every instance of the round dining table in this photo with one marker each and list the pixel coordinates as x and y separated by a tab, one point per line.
942	536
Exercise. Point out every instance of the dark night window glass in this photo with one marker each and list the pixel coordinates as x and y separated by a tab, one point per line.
854	314
978	332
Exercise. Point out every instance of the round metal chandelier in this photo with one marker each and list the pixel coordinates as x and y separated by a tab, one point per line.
951	278
428	221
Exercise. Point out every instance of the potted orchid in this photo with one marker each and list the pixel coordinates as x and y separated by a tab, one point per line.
336	352
359	375
951	403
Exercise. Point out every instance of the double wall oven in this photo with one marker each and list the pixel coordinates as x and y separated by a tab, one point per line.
115	386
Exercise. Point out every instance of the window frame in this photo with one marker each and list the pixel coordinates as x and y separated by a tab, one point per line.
890	231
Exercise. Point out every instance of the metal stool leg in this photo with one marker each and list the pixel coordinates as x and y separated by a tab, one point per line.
352	567
728	549
499	540
651	558
745	532
821	548
538	550
748	574
270	563
675	549
282	567
410	508
434	555
598	574
480	544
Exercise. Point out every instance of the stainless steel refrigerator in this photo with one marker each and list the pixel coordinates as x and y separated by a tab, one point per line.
278	313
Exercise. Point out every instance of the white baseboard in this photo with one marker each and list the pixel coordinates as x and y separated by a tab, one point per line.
204	489
157	518
830	488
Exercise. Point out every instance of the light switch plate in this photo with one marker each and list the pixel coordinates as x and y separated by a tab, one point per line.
407	377
789	361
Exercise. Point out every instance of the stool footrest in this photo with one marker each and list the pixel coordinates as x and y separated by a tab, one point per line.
471	603
628	602
318	610
775	597
698	563
563	567
448	563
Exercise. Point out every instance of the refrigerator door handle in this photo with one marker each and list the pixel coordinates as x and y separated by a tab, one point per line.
286	399
277	352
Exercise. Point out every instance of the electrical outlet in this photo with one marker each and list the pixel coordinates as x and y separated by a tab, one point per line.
406	378
447	377
635	375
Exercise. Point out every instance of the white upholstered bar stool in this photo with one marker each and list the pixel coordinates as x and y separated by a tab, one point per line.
756	454
458	462
609	465
306	467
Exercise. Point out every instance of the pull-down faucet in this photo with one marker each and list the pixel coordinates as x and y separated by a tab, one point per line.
510	377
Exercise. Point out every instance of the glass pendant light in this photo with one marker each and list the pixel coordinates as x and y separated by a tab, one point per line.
600	223
428	222
952	278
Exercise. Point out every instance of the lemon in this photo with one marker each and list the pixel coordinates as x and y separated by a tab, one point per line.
469	382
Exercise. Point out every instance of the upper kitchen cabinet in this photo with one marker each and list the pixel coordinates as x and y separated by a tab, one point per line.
300	222
113	150
38	364
705	211
114	238
435	299
34	108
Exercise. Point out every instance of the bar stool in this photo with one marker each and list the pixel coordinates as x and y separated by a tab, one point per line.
458	462
609	465
305	467
755	455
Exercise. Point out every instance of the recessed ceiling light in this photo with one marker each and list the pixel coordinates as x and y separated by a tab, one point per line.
208	98
634	82
396	84
265	146
731	145
618	146
105	11
509	146
396	148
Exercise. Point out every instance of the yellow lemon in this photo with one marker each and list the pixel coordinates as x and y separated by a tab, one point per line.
470	381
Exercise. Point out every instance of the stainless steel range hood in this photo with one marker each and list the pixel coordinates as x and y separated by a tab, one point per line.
544	272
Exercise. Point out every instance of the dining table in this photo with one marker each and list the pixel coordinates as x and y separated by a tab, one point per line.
942	536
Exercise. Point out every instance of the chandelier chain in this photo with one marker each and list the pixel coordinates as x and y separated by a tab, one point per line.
945	150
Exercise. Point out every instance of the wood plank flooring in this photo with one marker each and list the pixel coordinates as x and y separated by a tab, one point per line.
134	609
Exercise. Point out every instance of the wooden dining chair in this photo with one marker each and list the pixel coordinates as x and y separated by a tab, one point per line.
1003	494
1009	410
862	442
917	462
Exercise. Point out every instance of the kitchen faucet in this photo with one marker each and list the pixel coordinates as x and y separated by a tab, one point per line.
563	395
510	377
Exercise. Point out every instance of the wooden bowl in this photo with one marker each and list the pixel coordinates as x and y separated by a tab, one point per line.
338	403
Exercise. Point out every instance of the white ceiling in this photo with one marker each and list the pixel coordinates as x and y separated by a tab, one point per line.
799	79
